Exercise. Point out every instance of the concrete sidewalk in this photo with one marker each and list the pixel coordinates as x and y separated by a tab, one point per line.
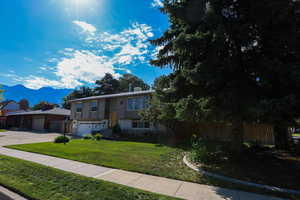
175	188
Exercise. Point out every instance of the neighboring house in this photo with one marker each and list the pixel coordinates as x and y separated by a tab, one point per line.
103	112
54	120
6	107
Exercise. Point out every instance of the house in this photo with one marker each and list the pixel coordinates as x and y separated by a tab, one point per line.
103	112
6	107
54	120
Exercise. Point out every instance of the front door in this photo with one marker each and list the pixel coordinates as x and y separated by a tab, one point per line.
113	119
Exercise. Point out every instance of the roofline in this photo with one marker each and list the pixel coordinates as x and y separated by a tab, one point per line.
114	95
18	114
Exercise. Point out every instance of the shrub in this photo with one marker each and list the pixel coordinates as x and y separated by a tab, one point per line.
98	136
116	129
61	139
88	137
296	147
199	151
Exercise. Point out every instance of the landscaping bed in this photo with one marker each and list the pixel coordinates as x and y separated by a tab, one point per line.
35	181
257	164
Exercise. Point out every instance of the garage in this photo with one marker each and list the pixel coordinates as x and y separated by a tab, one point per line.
56	126
53	120
85	128
38	123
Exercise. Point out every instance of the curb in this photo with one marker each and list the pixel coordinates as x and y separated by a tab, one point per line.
6	194
233	180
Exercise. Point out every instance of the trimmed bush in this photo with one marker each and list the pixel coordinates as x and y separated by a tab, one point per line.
98	136
88	137
61	139
116	129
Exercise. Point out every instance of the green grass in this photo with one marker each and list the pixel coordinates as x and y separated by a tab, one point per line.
296	134
148	158
133	156
35	181
3	130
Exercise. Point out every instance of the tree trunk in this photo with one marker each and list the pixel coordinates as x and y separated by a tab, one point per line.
237	137
282	138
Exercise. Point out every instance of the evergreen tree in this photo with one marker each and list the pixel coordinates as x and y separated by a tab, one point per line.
76	94
43	105
24	104
129	80
236	54
107	85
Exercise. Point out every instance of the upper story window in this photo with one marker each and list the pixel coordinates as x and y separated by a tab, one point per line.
137	103
79	107
94	106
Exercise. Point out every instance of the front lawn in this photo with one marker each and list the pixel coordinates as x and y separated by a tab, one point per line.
141	157
39	182
3	130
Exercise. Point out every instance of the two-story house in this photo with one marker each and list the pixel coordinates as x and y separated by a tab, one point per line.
98	113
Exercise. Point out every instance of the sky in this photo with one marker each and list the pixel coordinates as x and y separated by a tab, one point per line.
72	43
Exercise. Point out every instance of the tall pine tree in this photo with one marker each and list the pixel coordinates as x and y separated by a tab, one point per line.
233	52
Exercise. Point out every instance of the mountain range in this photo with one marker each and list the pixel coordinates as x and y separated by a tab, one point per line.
48	94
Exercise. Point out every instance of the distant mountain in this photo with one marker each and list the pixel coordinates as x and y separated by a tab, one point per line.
49	94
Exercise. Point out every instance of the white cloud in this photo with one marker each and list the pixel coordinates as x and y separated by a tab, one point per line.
105	52
86	27
157	3
35	82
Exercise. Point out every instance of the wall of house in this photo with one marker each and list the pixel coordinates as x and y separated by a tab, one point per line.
126	126
119	105
86	114
105	108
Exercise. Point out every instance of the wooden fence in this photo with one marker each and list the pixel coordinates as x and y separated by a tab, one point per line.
258	133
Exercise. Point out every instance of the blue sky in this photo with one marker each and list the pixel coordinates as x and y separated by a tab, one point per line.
70	43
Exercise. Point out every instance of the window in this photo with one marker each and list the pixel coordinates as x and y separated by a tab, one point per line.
140	124
137	103
79	107
93	106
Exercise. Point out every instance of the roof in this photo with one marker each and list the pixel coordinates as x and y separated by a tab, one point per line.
5	103
54	111
136	93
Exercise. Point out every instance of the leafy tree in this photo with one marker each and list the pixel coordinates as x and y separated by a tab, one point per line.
43	105
24	104
235	54
76	94
107	85
129	80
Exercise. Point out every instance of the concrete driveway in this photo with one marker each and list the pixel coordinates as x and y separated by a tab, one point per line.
25	137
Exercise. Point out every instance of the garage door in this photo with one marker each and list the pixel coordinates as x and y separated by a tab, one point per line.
38	123
88	128
84	129
56	126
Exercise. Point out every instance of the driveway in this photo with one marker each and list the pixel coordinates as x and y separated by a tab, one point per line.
25	137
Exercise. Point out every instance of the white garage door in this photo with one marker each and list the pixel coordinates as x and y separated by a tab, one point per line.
38	123
88	128
84	129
